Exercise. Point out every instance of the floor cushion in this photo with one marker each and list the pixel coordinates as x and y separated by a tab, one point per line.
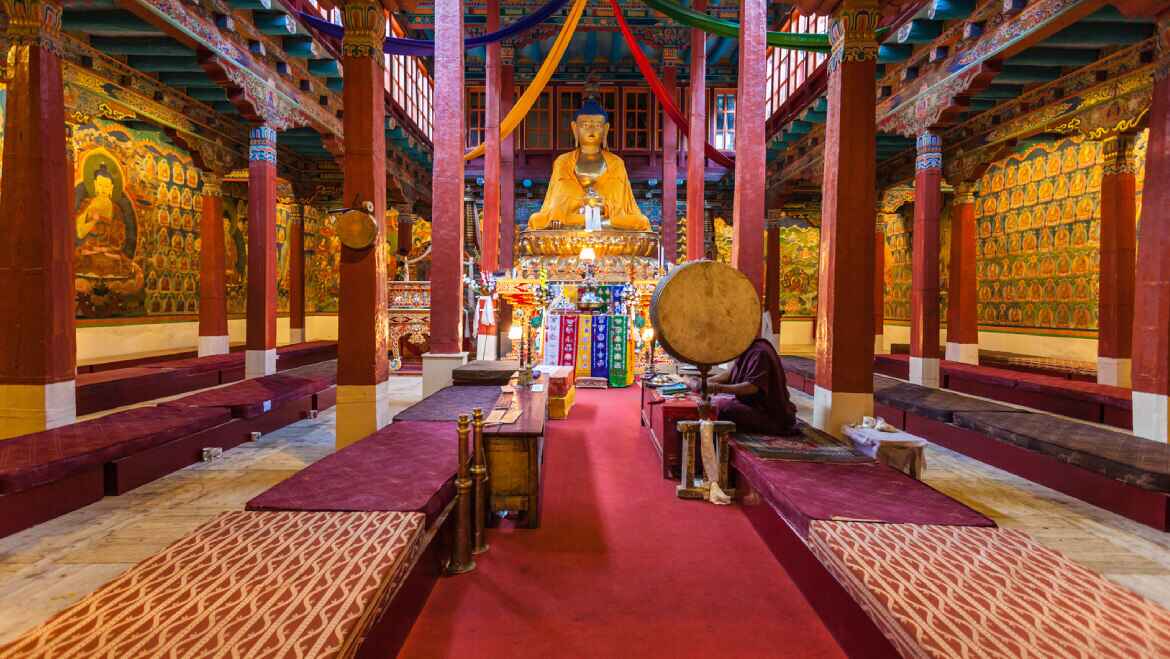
933	403
245	584
448	403
1075	389
408	466
804	491
322	373
306	347
203	364
994	376
958	591
251	398
1118	455
31	460
803	366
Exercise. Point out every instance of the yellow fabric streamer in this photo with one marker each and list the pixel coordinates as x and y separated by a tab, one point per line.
547	68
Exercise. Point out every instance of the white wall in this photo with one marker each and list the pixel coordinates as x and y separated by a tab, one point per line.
796	333
1062	347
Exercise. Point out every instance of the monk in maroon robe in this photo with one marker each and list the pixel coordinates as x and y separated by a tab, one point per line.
753	394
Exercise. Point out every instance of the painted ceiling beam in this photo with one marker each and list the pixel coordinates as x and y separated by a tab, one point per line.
301	46
945	10
107	22
207	95
1100	35
188	80
889	53
1041	56
919	30
1013	73
250	4
159	63
324	68
274	24
999	92
1110	14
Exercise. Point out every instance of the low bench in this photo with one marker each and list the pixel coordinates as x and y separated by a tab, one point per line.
303	354
448	403
255	584
485	372
47	474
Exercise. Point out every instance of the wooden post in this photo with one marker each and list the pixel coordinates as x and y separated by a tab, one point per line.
962	309
213	327
490	247
844	389
924	288
1118	250
696	141
879	284
260	358
447	202
461	560
37	338
296	273
747	246
363	367
479	474
507	166
670	163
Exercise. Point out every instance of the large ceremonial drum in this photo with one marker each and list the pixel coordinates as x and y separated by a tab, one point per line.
705	313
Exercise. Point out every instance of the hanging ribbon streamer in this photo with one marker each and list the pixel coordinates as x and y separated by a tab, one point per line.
659	90
815	43
547	68
425	48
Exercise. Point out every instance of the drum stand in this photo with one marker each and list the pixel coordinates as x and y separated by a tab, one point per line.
692	451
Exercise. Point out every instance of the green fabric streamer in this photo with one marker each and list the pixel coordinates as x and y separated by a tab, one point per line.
813	43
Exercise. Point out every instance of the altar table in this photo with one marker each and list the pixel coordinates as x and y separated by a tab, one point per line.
515	456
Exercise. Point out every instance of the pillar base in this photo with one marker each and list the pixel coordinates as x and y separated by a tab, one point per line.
437	370
28	408
1151	416
879	344
966	353
924	371
296	335
1115	371
214	345
362	410
258	363
833	409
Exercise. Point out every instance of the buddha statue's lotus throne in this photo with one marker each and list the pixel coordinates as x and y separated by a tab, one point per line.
589	187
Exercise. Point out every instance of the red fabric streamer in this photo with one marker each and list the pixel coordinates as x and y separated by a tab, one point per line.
659	90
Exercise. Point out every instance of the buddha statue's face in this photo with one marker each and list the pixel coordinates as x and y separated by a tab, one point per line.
103	187
590	130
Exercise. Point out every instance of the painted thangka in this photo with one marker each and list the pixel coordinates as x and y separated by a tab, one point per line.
799	259
322	262
595	345
1038	226
235	226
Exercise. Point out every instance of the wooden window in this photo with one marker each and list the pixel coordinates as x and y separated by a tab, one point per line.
476	116
723	120
569	100
637	120
538	124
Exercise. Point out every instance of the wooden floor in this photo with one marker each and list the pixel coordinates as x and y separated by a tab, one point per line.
49	567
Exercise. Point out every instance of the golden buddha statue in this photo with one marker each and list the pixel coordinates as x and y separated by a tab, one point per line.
589	187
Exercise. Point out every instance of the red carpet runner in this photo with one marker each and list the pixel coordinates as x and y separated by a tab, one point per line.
619	567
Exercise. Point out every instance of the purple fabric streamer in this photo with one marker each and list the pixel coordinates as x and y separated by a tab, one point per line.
425	48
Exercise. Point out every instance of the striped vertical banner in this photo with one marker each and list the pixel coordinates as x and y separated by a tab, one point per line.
618	333
552	340
584	342
600	347
569	340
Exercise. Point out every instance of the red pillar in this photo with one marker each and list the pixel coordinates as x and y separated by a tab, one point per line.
844	390
1118	249
772	279
507	166
447	202
490	259
37	339
261	348
962	309
696	140
879	284
670	165
747	250
296	273
363	366
213	327
924	314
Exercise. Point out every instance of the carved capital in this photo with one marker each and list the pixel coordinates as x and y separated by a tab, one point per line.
34	23
1117	155
365	29
964	193
852	34
296	212
929	152
262	144
212	185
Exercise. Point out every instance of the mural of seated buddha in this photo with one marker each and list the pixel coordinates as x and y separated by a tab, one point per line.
589	177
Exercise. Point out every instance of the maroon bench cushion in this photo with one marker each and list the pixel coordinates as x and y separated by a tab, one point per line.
897	366
804	491
31	460
322	373
1074	389
932	403
408	466
203	364
448	403
1117	455
251	398
988	375
120	375
307	347
802	366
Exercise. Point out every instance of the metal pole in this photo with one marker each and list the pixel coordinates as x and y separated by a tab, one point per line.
480	476
461	560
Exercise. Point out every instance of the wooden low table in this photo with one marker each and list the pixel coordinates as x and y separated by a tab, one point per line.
899	450
485	371
515	456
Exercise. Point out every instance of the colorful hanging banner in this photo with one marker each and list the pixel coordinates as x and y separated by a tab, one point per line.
617	351
552	340
600	349
814	43
584	356
569	340
547	68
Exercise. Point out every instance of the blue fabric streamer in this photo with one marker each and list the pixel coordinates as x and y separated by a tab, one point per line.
600	359
425	48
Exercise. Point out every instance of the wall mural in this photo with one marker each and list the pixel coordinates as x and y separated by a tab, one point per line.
235	227
799	262
322	262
